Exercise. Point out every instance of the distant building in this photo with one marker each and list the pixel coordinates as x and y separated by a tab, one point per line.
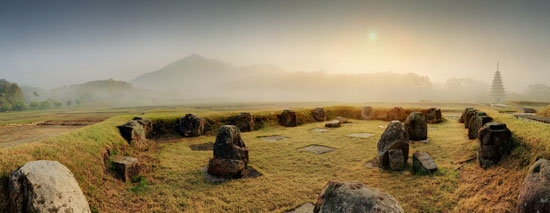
497	89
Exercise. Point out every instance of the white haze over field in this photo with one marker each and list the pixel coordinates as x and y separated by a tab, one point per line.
344	49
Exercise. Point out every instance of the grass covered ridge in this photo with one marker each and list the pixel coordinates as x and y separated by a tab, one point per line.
172	181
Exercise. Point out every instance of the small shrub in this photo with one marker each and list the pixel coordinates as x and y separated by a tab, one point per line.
141	184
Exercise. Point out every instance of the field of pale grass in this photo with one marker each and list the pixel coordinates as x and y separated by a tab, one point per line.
172	180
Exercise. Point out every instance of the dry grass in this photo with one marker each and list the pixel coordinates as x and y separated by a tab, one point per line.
544	112
173	182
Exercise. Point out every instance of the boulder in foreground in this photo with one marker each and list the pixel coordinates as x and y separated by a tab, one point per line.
45	186
354	197
535	192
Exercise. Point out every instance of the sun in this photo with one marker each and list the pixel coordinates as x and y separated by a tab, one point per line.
373	35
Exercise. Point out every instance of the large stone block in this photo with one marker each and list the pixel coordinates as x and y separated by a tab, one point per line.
245	122
495	143
191	126
433	115
230	154
134	133
368	113
397	161
394	137
476	122
416	126
423	164
288	118
125	167
319	114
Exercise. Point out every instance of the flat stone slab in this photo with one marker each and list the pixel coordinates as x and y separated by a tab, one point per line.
361	135
304	208
317	149
272	138
382	126
202	147
319	130
250	173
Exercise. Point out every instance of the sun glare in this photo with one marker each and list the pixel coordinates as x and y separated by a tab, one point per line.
373	35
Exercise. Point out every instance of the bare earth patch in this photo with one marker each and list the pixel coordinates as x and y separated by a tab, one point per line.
202	147
319	130
317	149
272	138
14	135
361	135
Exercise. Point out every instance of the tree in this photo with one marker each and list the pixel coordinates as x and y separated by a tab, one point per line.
5	107
34	105
44	105
57	104
20	106
497	88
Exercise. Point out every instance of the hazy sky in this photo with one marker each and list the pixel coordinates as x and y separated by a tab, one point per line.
54	43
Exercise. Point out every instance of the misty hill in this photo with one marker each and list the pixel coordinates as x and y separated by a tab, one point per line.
197	77
191	71
113	92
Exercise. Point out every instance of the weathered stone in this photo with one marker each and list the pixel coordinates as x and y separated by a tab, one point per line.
228	168
354	197
191	126
416	126
461	119
288	118
469	114
423	164
45	186
245	122
319	114
397	113
368	113
495	143
134	133
476	122
146	124
433	115
229	144
342	119
230	154
394	137
333	124
534	195
125	167
397	163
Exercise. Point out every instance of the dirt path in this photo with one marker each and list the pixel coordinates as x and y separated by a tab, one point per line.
14	135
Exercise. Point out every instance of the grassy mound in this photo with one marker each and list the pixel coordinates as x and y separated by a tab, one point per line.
544	112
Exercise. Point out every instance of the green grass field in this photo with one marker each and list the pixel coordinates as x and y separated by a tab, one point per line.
172	180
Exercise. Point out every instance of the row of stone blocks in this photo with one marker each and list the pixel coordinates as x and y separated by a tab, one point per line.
495	143
494	138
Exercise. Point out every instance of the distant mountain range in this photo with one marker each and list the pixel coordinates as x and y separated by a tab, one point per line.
196	78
